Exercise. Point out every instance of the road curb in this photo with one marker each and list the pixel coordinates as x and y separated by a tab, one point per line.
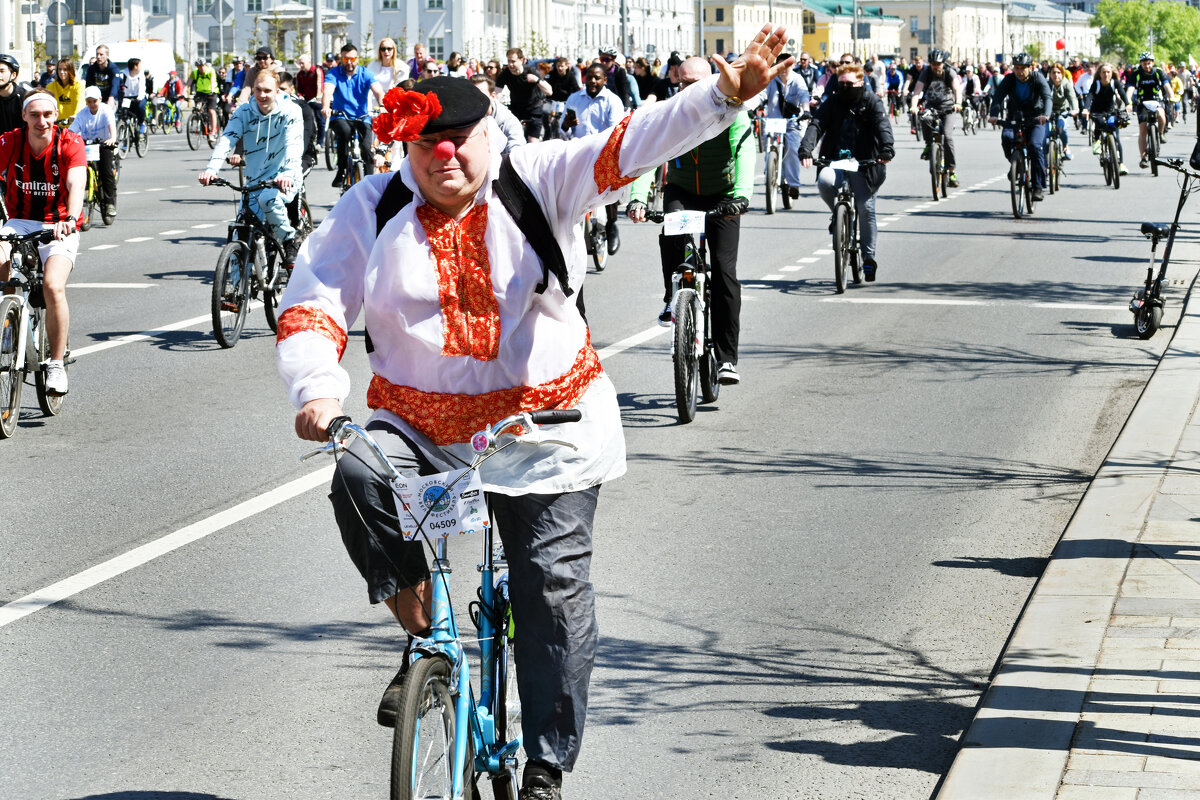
1020	739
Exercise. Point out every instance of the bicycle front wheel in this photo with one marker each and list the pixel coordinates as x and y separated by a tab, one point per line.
231	293
599	245
841	245
1016	175
193	131
684	356
51	404
330	150
89	200
772	178
423	743
1053	164
275	277
1111	145
935	168
11	379
1153	145
141	142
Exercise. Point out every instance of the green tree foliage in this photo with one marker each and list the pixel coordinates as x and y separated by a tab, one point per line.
1035	49
1127	27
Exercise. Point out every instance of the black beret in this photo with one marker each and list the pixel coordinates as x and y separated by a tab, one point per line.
462	103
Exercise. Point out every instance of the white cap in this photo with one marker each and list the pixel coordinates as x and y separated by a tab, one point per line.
92	91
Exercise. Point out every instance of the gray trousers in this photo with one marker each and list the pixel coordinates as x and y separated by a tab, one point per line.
548	543
864	205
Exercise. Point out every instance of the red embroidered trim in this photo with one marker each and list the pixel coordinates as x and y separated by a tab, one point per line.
452	418
307	318
470	312
608	168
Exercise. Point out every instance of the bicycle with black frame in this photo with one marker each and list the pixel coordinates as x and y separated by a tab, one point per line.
355	167
1148	304
939	173
1020	166
131	131
251	262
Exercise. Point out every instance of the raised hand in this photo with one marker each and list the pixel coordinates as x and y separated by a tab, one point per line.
750	73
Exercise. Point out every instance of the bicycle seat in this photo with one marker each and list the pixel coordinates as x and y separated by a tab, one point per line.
1156	230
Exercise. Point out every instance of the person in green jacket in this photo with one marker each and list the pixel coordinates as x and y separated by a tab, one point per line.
716	176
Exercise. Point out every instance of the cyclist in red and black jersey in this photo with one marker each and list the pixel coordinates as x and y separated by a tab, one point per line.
45	171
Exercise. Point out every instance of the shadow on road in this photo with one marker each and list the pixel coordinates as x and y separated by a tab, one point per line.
153	794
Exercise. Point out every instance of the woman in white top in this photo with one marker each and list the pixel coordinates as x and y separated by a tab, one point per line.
388	70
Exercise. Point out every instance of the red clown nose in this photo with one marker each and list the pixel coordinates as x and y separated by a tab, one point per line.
444	150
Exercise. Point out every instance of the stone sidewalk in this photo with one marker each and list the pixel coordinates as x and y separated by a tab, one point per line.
1097	696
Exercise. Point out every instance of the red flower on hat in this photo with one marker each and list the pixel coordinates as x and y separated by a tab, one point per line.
405	114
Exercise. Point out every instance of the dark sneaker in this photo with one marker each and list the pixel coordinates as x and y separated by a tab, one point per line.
338	178
794	192
540	793
869	268
290	248
614	238
664	317
389	706
538	785
1038	194
1145	162
952	181
727	374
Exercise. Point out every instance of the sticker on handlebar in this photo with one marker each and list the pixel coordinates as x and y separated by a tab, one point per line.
774	125
92	152
126	102
678	223
445	506
844	164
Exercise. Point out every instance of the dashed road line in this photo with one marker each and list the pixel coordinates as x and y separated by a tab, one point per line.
822	252
154	189
791	268
103	247
204	225
809	260
772	277
172	232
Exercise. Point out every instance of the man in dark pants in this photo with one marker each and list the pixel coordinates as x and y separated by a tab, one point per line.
347	89
716	176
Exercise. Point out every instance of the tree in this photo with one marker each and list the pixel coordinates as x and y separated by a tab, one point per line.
1127	29
1036	50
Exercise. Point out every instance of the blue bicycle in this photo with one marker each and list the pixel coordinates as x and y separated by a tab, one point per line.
445	738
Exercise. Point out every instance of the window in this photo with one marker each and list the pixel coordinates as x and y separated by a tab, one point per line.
390	5
436	4
720	14
913	25
204	7
437	47
254	5
115	7
720	46
810	23
159	8
204	50
344	5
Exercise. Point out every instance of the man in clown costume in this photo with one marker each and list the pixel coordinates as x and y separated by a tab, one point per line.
467	324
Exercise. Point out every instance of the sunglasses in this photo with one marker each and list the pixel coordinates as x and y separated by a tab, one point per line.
387	49
605	59
260	58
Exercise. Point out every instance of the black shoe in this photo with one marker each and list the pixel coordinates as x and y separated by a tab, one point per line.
290	248
389	706
925	153
869	268
614	238
529	792
338	178
541	782
1038	195
794	192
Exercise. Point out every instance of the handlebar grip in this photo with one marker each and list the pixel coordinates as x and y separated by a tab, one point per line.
555	416
655	216
334	430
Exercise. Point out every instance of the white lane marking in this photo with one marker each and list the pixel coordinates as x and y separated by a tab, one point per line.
925	301
204	225
154	189
103	247
913	210
57	592
822	252
882	224
1083	306
772	277
810	259
138	337
110	285
792	268
129	191
172	232
891	219
140	239
633	341
181	186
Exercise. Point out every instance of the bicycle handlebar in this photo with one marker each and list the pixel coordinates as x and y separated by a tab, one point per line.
41	237
251	187
1177	165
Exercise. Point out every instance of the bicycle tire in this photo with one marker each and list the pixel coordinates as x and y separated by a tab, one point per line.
306	219
935	167
1106	165
1111	144
841	245
123	140
683	354
11	379
599	245
177	120
1016	191
1052	167
1028	184
1153	145
1147	320
772	178
710	387
275	279
425	731
330	151
89	200
51	404
231	293
141	141
193	131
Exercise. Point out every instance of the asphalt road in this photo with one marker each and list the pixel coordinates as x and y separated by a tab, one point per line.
801	593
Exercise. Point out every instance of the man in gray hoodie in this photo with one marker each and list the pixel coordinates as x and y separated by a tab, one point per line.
272	137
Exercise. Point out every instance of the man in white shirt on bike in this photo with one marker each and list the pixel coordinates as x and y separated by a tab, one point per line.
788	101
593	109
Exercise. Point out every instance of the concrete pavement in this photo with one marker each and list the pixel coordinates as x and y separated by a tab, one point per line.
1097	695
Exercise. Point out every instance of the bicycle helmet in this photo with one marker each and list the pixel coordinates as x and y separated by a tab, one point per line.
608	50
200	62
1022	60
10	62
1146	57
937	56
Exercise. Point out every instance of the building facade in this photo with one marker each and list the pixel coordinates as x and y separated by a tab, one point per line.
829	30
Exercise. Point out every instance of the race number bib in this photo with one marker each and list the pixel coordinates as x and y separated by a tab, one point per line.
677	223
92	152
774	125
442	504
126	103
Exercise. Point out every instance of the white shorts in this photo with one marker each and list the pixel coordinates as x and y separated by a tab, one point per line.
67	247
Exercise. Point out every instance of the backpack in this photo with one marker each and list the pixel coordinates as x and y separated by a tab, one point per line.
518	200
